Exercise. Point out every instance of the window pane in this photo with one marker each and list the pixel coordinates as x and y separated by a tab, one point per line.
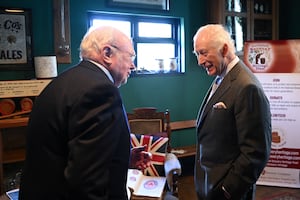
237	27
147	29
155	57
124	26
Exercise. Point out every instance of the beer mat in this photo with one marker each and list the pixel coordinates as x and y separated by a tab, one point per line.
7	106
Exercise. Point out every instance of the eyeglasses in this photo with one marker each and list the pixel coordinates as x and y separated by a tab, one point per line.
132	56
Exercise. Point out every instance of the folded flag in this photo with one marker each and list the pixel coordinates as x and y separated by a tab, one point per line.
157	146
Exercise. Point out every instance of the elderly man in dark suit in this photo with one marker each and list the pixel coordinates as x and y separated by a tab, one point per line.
78	144
233	124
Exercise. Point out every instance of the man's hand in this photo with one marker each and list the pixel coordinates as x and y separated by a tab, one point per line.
140	159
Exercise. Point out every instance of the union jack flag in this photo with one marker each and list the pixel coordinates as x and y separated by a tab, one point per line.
157	146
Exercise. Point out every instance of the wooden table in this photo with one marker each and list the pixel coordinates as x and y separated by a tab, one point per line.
4	197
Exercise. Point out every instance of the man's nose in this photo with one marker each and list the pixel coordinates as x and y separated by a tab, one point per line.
201	60
132	67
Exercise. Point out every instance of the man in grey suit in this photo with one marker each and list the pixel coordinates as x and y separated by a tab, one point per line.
78	143
233	123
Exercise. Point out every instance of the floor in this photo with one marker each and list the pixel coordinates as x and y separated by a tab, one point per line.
186	191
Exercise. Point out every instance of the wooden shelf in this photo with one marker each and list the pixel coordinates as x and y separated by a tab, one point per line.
13	127
15	155
180	125
15	122
12	150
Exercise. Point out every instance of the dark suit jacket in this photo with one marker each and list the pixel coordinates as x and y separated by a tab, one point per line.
78	142
233	144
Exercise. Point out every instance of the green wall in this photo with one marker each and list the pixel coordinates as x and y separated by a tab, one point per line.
181	94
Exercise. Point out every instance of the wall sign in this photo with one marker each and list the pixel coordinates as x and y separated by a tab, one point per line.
22	88
15	39
276	65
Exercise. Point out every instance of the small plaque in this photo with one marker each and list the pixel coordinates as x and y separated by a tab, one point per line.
22	88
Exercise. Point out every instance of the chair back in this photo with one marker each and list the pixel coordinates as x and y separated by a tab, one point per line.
149	121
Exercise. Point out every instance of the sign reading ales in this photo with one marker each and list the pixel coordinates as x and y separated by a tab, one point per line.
12	39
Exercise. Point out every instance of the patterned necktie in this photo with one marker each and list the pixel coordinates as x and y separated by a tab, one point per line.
215	86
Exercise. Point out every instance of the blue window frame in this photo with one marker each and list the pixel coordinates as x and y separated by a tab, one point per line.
157	40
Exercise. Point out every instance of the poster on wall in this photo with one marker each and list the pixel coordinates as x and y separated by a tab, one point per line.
277	66
15	39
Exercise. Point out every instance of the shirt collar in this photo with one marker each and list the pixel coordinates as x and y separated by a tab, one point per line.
229	67
104	70
232	64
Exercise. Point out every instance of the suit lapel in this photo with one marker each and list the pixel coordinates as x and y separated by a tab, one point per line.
223	88
202	107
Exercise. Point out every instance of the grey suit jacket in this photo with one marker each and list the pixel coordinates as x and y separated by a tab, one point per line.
233	143
78	142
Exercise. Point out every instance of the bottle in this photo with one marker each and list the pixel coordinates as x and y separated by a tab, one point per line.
261	8
256	7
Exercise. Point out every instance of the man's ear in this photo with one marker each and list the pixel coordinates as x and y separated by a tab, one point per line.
107	51
224	50
107	54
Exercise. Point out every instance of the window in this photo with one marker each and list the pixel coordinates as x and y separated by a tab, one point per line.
157	40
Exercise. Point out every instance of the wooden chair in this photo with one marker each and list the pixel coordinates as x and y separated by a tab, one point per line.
149	121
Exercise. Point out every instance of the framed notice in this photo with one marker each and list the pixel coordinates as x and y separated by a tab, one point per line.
147	4
15	39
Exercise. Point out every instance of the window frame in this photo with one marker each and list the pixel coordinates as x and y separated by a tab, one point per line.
176	34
